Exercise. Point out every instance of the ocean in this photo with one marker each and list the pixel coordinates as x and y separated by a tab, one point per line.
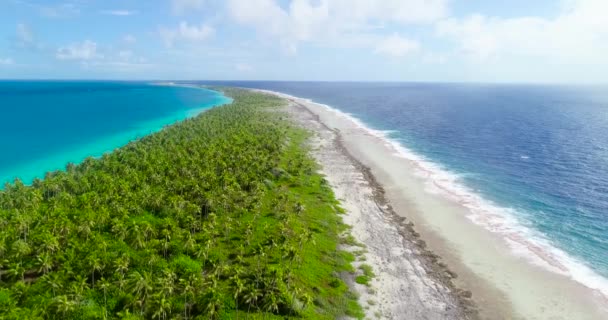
46	124
529	161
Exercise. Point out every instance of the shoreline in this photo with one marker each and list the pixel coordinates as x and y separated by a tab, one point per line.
409	282
501	282
28	171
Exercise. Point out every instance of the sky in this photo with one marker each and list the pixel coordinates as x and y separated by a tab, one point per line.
521	41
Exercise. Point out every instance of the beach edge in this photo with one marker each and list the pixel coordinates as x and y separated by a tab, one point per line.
447	300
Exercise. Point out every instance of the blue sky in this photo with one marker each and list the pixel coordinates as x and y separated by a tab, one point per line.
377	40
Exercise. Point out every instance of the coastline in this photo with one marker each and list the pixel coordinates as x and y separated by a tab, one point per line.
409	282
501	282
29	171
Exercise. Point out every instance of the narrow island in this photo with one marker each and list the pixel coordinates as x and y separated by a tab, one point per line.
219	216
228	215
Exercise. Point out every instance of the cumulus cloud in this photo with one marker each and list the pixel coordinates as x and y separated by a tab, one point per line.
86	50
400	11
397	46
118	61
182	6
91	56
331	21
578	34
120	13
186	32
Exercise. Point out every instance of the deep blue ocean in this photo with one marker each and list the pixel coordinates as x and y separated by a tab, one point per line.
44	125
536	153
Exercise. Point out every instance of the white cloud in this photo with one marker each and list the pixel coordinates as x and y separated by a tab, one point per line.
264	15
331	21
182	6
122	57
123	13
579	34
118	61
6	61
86	50
400	11
88	56
243	67
186	32
397	46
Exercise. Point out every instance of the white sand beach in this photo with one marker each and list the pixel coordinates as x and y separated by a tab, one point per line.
418	241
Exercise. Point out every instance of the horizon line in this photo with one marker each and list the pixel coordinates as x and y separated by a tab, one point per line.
310	81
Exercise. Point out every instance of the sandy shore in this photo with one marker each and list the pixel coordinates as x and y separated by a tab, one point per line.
406	229
409	283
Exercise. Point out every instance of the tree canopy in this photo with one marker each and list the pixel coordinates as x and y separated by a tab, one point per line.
218	216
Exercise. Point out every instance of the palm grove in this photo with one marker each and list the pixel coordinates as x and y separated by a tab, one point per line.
219	216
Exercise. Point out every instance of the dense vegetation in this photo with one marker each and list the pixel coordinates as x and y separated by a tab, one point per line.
219	216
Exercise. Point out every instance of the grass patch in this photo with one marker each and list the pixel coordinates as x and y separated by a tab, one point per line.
367	270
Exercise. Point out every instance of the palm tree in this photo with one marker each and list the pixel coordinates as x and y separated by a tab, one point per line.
96	265
45	263
167	282
54	281
119	230
122	265
79	286
17	271
138	237
190	243
252	294
140	284
214	304
21	249
104	285
187	290
271	303
121	282
238	288
50	243
162	305
64	305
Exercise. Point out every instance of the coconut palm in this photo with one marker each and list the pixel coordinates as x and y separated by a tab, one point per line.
162	307
45	263
64	305
175	224
96	265
140	285
104	285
